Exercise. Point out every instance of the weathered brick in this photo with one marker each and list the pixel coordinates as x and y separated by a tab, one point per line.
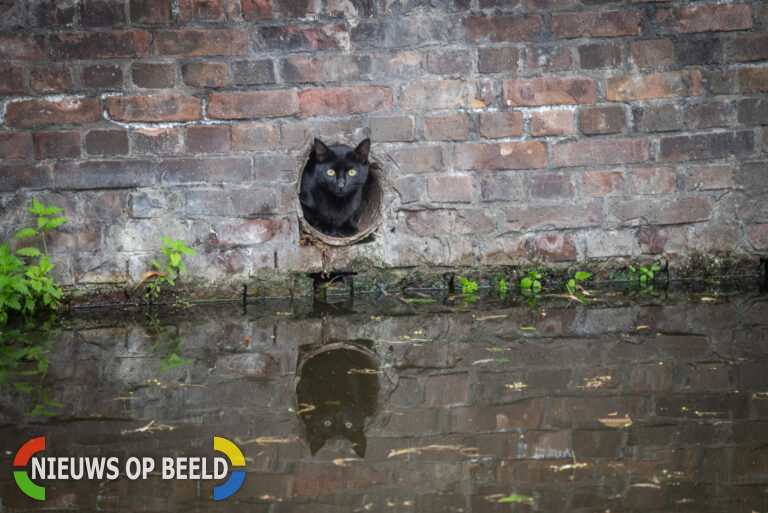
409	188
157	141
521	414
254	137
598	24
104	174
554	248
204	43
548	58
150	11
706	146
301	69
247	202
106	142
390	129
720	81
314	479
200	10
446	128
656	240
27	113
253	105
298	135
604	151
501	187
603	120
602	183
435	95
407	63
655	85
605	443
256	9
153	75
499	29
15	145
497	125
253	72
345	100
449	62
21	48
418	159
511	155
709	114
57	145
102	13
205	74
657	118
446	389
549	91
689	209
566	411
11	79
15	177
448	222
551	186
298	38
450	189
552	122
654	180
711	177
118	44
209	170
247	232
154	108
757	234
653	53
497	60
752	175
207	139
298	8
598	56
753	80
706	18
753	47
553	217
50	78
753	112
691	52
102	76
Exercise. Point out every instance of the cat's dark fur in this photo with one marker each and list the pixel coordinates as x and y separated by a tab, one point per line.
331	202
335	402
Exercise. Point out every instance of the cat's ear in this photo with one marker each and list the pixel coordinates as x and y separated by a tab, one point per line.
362	150
321	150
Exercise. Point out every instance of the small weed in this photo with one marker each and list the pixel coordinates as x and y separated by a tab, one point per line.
575	290
173	250
501	287
643	275
531	284
467	286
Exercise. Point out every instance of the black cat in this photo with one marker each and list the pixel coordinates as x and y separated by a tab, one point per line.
332	187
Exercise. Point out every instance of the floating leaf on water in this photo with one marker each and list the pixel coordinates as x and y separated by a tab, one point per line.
489	317
616	422
641	327
478	362
419	300
264	440
343	462
418	450
517	498
528	328
708	299
646	485
517	386
363	371
494	349
568	466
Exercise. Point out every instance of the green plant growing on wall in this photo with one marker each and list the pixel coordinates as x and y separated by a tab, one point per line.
23	287
468	289
531	284
575	290
500	287
173	250
643	275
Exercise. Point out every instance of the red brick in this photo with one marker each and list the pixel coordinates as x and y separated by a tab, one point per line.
604	151
545	444
254	137
15	145
28	113
498	125
757	234
390	129
298	8
499	29
102	76
301	69
446	128
599	56
418	159
154	108
155	141
446	389
297	38
153	75
253	105
501	187
256	9
497	60
205	74
711	177
106	142
448	222
602	183
14	178
549	91
11	79
522	414
650	54
555	248
450	189
150	11
247	232
434	95
510	155
207	139
449	62
749	48
553	217
57	145
345	100
753	80
690	209
588	410
533	472
209	170
603	120
598	24
314	479
548	58
118	44
200	10
706	146
552	122
605	443
551	186
654	180
50	78
21	48
651	377
706	18
206	43
670	84
709	114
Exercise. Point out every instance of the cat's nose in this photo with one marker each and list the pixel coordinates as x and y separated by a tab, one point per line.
341	183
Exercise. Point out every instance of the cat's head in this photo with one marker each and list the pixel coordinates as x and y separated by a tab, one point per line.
340	169
336	421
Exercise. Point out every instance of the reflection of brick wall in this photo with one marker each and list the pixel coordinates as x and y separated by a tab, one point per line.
511	131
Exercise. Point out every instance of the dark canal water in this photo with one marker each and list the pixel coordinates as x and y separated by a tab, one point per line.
628	404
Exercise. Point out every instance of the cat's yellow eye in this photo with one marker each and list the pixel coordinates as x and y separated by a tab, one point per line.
331	172
348	425
352	172
327	423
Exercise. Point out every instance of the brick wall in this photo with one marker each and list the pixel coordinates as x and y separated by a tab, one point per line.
510	131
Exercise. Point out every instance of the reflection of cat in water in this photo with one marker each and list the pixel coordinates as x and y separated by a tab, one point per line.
335	402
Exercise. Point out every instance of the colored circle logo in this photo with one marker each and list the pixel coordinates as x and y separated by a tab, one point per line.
21	460
237	477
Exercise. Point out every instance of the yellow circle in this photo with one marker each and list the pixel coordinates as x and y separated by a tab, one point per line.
352	172
331	172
